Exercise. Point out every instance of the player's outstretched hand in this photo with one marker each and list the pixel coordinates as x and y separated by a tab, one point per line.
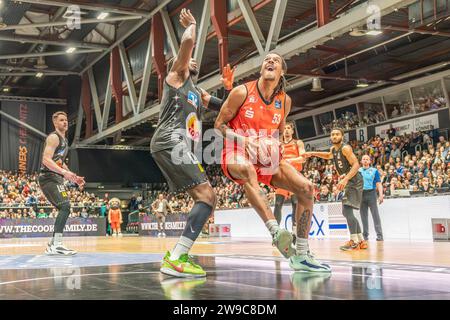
80	182
186	18
228	77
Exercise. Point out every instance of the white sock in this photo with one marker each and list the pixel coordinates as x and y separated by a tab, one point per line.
302	246
354	237
57	238
272	226
360	237
183	246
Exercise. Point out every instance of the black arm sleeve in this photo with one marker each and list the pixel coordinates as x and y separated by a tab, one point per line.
216	103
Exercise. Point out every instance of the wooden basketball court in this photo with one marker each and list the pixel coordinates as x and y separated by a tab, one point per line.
128	268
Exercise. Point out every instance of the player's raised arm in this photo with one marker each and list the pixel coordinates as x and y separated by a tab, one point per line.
324	155
181	63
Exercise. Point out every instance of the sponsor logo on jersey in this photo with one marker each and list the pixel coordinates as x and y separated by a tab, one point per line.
193	99
278	104
252	99
193	126
249	113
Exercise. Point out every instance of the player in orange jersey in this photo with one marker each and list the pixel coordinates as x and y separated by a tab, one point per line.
253	114
292	151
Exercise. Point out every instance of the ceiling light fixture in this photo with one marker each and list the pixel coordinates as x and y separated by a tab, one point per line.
374	32
102	15
316	85
362	84
6	89
39	75
71	50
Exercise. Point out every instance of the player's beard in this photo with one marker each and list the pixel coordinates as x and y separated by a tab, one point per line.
337	142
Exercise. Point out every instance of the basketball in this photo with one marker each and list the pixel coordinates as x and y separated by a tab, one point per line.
264	151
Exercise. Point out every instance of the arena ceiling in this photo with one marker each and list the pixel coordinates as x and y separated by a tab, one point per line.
33	35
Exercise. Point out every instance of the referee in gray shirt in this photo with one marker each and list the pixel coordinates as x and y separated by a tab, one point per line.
372	183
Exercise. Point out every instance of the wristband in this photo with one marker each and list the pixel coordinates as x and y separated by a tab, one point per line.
215	103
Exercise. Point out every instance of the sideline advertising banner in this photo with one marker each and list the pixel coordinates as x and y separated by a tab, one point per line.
33	228
322	144
423	123
20	148
175	223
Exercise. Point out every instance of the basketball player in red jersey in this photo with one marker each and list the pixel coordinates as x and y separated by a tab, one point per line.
292	151
260	108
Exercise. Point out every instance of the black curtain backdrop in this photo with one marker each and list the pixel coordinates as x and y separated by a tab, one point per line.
115	166
20	148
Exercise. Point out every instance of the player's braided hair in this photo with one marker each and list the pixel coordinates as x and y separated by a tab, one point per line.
282	83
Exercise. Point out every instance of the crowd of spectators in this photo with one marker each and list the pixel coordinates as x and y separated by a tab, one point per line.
350	120
21	197
429	103
374	113
414	162
418	162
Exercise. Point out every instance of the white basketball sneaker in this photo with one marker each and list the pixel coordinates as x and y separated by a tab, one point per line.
54	249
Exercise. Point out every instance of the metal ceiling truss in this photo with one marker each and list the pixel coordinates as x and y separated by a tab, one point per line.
275	26
407	86
41	40
61	102
253	26
91	7
63	23
59	13
298	43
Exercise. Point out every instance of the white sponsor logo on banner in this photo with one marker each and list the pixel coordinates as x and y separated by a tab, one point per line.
412	125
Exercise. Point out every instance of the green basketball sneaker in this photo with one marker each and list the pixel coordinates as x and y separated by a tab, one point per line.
282	239
307	262
184	267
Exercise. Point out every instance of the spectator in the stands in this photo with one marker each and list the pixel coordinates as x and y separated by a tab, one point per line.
425	186
324	194
395	152
42	214
441	184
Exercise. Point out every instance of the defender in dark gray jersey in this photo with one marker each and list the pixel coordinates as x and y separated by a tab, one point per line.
347	166
178	129
51	181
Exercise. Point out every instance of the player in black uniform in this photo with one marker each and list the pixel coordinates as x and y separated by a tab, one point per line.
351	181
172	145
51	180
